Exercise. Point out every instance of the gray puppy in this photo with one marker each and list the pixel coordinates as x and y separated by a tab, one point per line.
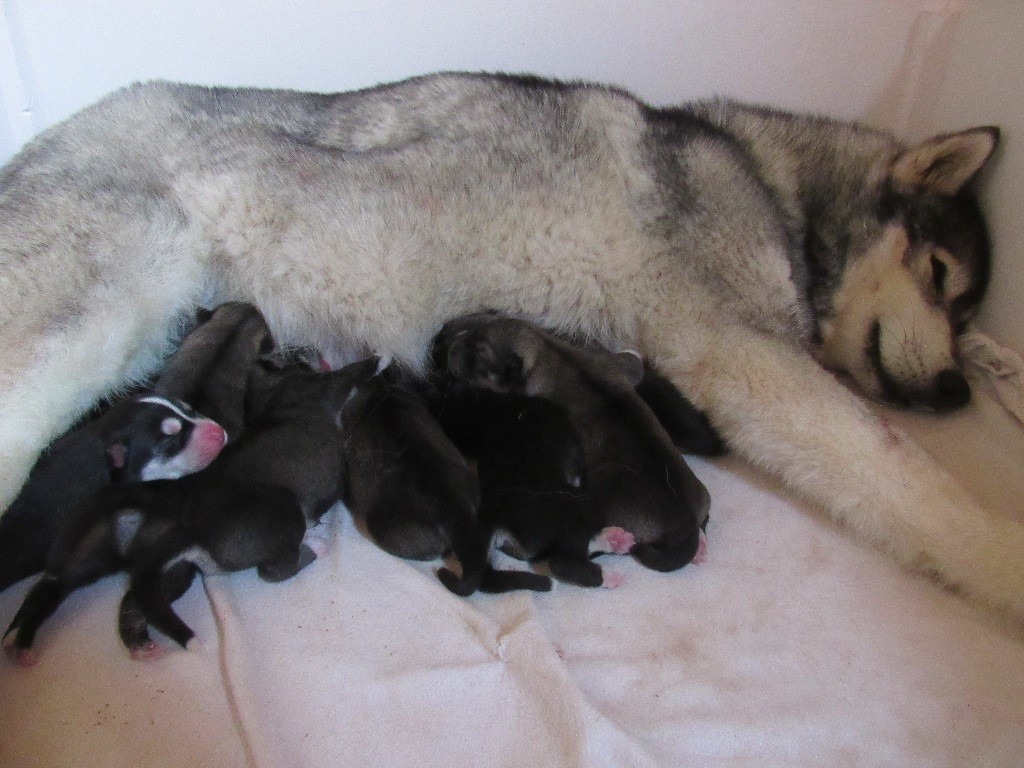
412	487
631	474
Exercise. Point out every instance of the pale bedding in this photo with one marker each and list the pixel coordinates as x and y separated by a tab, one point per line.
790	646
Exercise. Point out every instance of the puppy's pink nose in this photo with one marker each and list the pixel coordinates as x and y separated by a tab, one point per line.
209	437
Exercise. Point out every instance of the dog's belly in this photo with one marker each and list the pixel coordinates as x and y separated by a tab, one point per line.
385	269
375	254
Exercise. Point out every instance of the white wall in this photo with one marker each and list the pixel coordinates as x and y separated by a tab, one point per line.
829	56
984	83
881	60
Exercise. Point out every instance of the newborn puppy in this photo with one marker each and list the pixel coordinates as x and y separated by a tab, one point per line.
250	508
532	478
210	369
125	443
141	438
413	488
634	476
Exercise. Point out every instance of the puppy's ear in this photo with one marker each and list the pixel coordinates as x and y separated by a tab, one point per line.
629	365
945	164
117	455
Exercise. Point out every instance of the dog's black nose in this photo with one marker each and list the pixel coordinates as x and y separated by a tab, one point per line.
952	390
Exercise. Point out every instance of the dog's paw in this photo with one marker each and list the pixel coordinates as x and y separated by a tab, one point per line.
612	540
612	580
23	657
702	550
148	651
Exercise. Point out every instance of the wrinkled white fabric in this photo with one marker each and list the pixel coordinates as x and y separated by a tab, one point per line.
790	646
1002	370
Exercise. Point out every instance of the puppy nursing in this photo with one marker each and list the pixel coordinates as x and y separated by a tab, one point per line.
250	508
413	488
571	461
572	430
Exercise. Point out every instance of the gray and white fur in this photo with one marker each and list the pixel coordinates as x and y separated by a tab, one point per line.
741	250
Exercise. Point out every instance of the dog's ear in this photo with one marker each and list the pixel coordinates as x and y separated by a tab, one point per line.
117	459
629	365
945	164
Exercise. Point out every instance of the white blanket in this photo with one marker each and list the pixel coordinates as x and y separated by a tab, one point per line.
790	646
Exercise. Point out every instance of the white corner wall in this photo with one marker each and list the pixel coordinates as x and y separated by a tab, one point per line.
911	65
834	57
984	84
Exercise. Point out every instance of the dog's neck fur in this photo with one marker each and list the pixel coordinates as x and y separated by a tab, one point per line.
827	187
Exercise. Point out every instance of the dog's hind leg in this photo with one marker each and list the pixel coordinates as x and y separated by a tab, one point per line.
40	603
576	569
148	595
81	320
780	410
132	625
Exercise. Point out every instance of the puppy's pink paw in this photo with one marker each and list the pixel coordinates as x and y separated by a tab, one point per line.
147	652
702	550
23	657
612	580
614	540
317	542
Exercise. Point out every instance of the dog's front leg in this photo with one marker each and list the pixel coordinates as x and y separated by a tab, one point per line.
777	408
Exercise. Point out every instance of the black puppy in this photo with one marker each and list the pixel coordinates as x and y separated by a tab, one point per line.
250	508
413	488
145	437
633	475
210	369
532	476
687	425
126	442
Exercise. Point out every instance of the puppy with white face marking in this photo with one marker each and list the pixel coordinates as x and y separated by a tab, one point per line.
634	477
250	508
737	248
412	487
146	437
154	435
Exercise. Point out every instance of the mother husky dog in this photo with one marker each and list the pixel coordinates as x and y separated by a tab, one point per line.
741	249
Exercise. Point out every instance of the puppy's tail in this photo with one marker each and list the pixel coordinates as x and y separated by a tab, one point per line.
469	544
24	541
495	581
472	549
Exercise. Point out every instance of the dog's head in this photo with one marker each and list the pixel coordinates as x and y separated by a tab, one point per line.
915	272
